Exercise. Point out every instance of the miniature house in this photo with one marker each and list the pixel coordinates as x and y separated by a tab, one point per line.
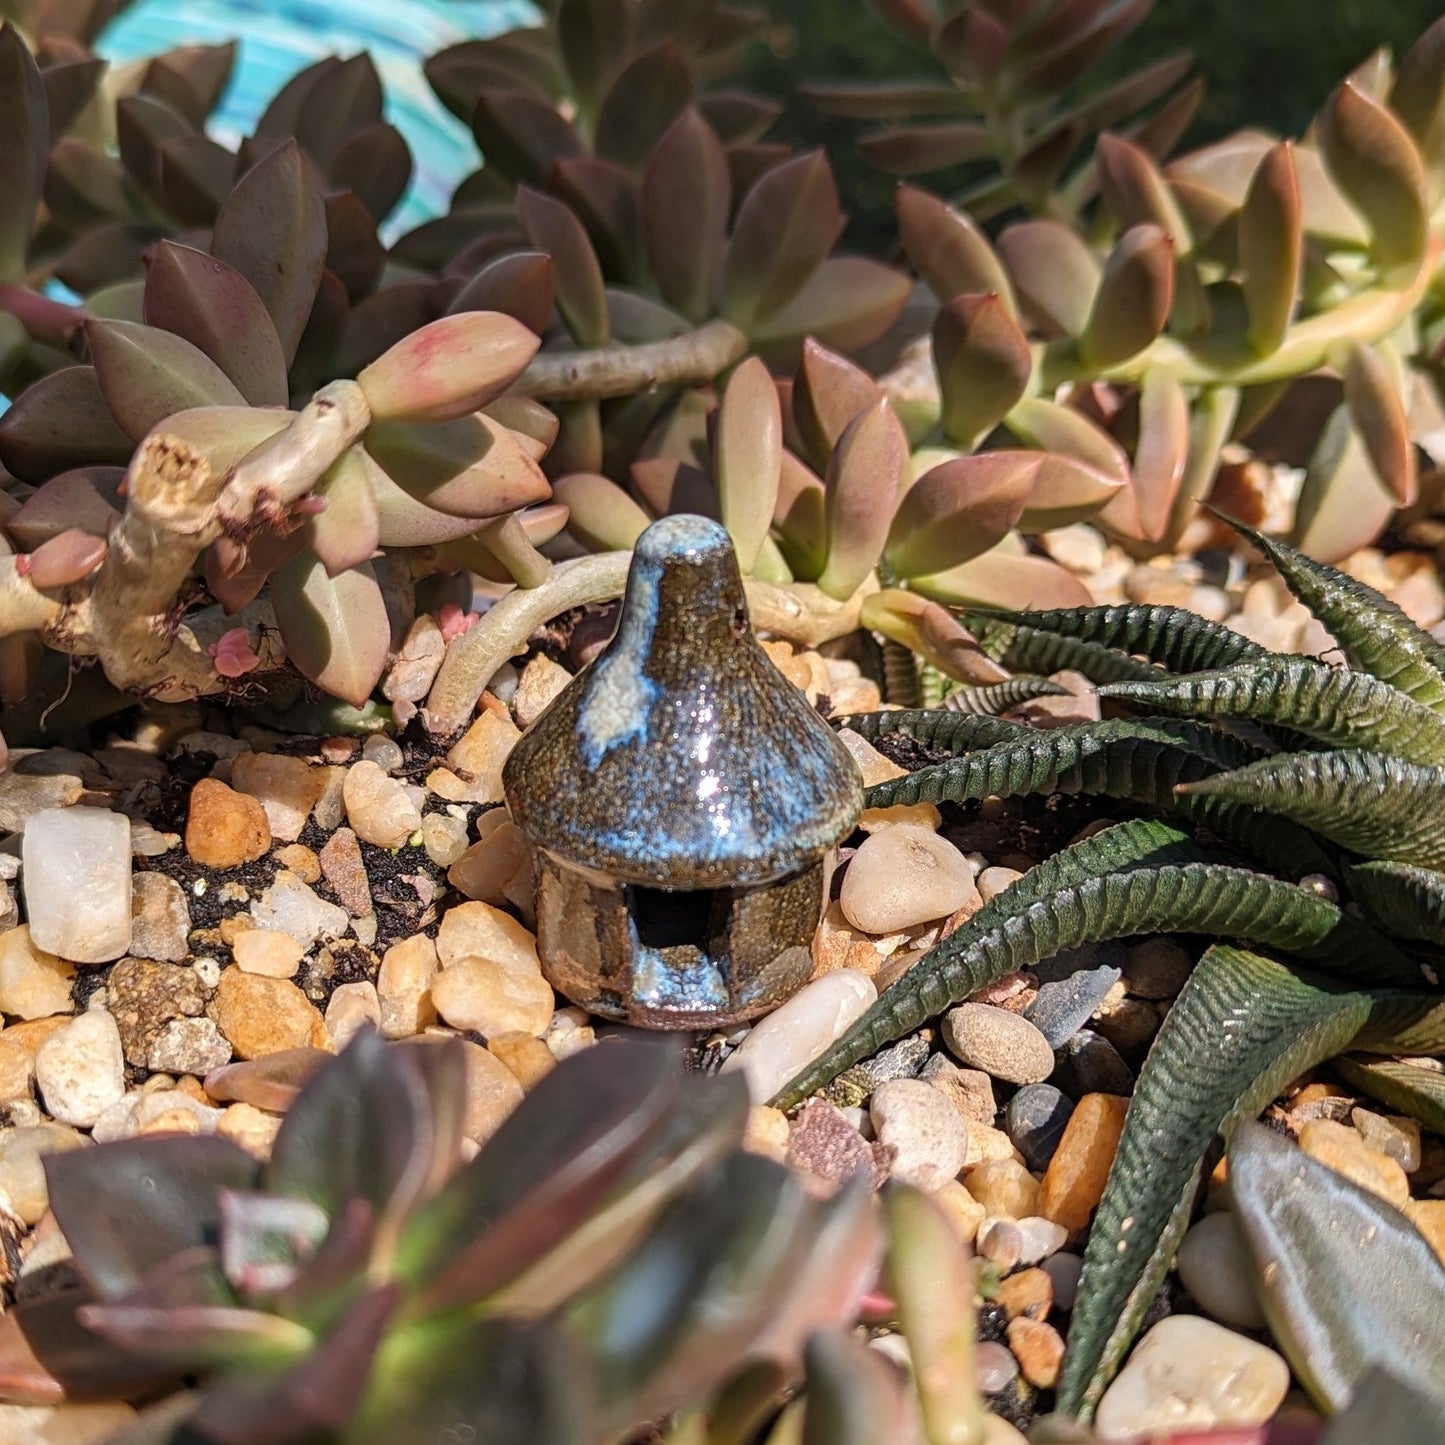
683	802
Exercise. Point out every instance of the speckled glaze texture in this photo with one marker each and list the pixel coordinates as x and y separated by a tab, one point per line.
683	801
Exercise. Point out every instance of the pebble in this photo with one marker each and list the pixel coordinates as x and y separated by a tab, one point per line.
344	870
250	1128
875	768
287	788
261	1015
1064	1270
985	1143
903	876
1189	1373
72	1424
823	1143
188	1046
330	807
1039	1349
80	1069
1061	1009
1004	1187
1396	1136
417	664
17	1068
964	1212
837	944
1035	1120
1157	968
75	873
492	1092
1074	1181
1013	991
531	1061
1129	1024
143	996
264	950
33	983
1042	1237
475	761
999	1241
224	828
569	1033
444	838
994	1367
403	987
540	682
157	1111
497	870
993	881
382	751
792	1036
291	906
969	1090
1427	1215
378	807
24	794
494	996
1343	1150
1026	1292
351	1008
1000	1043
1090	1064
1216	1270
478	930
22	1175
927	1135
160	918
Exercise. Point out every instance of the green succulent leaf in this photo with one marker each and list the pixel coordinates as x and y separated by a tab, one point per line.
1388	1407
1345	1280
600	515
1271	248
1055	273
938	729
1335	706
1341	505
748	448
336	629
1051	427
1406	1088
1408	900
990	699
349	530
864	475
948	250
958	510
685	197
23	148
1162	452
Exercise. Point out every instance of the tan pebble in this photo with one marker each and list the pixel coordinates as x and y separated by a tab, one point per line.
22	1174
267	951
794	668
29	1034
1395	1135
526	1056
253	1129
986	1143
494	996
1039	1349
541	681
964	1212
492	1093
351	1008
1004	1187
68	1424
301	860
1030	1292
34	984
837	944
339	750
908	815
1127	1023
378	807
482	931
17	1068
477	756
330	807
286	787
490	870
999	1042
1342	1149
444	838
854	696
767	1132
1428	1216
971	1090
904	876
993	881
1313	1094
1002	990
260	1015
172	1121
403	987
225	828
345	871
190	1086
1073	1184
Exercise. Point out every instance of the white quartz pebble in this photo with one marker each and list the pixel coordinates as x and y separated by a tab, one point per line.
76	875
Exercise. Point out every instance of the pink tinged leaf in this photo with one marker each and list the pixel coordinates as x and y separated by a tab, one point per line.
641	103
1066	491
983	362
272	229
66	559
532	425
973	43
747	458
450	367
604	196
335	629
455	623
913	19
600	515
1418	98
348	528
270	1082
24	142
929	630
232	654
1271	248
1136	190
1377	411
376	164
58	422
848	303
519	283
581	296
1055	275
913	150
1006	576
865	474
147	374
958	510
215	308
236	571
947	249
1373	160
785	228
800	518
1162	452
1133	300
686	193
1055	428
1341	506
829	391
738	116
85	498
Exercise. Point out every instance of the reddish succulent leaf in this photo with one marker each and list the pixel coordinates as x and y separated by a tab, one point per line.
354	253
1133	300
106	254
81	184
59	422
1055	428
380	321
195	177
913	19
747	451
829	391
738	116
1418	98
348	531
523	135
847	303
1377	411
886	99
1005	577
592	37
66	558
142	125
272	229
785	228
1374	162
335	629
972	43
577	278
147	374
375	162
641	103
800	518
1125	98
605	199
983	362
1055	275
951	254
69	88
667	486
911	150
1136	191
343	100
1162	452
205	69
448	368
278	120
1271	248
959	509
270	1082
215	308
600	515
1065	491
747	164
685	200
633	318
1167	126
1091	31
865	474
519	284
85	498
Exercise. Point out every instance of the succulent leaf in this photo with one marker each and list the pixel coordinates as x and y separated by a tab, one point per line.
937	729
685	199
1133	299
644	99
552	226
519	283
522	134
983	362
1054	428
911	150
61	422
854	1395
600	515
748	448
865	473
1056	275
1341	505
829	392
1408	1089
958	510
948	250
1417	97
375	164
1407	900
1377	410
335	629
1005	573
847	303
1271	247
592	41
23	149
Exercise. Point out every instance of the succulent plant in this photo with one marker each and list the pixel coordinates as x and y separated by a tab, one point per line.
607	1257
1322	785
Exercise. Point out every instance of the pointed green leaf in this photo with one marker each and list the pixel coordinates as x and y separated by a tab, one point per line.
1408	1089
1271	248
641	103
336	630
1055	274
983	362
1005	573
600	515
990	699
948	250
214	307
1133	299
958	510
1409	901
1066	491
1374	400
23	147
272	229
864	476
938	729
747	449
685	199
551	226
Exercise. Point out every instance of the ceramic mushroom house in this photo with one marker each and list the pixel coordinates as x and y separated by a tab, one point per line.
683	802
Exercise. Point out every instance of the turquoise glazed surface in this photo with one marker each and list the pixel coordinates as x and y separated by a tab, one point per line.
279	37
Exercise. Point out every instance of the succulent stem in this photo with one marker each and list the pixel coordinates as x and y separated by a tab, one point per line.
688	360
